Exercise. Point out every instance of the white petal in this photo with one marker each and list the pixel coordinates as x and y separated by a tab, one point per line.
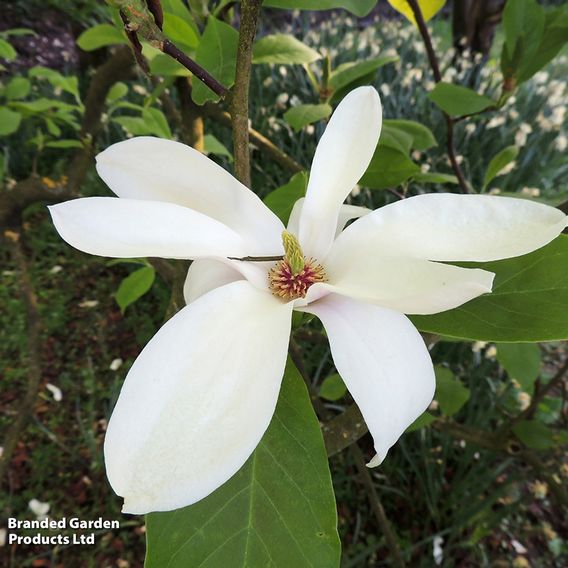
156	169
341	158
198	399
407	285
451	227
346	213
206	275
128	228
384	363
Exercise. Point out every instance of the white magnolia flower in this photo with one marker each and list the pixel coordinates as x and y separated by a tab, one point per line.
201	394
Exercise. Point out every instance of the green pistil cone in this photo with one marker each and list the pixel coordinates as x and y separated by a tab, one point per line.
294	255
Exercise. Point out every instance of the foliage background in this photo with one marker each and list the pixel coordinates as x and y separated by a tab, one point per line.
490	508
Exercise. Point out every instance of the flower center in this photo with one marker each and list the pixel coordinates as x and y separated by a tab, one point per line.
292	277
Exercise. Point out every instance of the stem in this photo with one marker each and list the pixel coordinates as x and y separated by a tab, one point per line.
438	77
257	258
258	139
204	76
250	11
377	506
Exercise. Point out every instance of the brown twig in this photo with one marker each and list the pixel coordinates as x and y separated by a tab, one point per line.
250	11
141	22
377	506
256	138
33	324
202	74
438	77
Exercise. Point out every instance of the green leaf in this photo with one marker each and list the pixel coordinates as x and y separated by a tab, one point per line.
9	121
302	115
182	33
523	25
278	510
134	286
64	144
554	37
521	361
499	161
358	7
116	92
422	137
435	177
425	419
42	105
396	139
332	388
7	52
70	84
212	145
217	52
99	36
388	168
134	125
535	435
157	123
284	49
17	88
458	101
17	32
528	303
451	394
281	200
348	73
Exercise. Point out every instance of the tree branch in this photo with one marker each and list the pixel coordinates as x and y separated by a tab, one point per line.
250	11
377	506
438	77
258	139
140	22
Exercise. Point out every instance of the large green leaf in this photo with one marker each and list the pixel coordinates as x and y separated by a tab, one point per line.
7	51
535	435
358	7
278	510
180	31
554	37
283	48
422	136
388	168
521	361
523	24
134	286
457	101
99	36
17	88
451	394
281	200
347	74
217	52
9	121
302	115
529	301
499	161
